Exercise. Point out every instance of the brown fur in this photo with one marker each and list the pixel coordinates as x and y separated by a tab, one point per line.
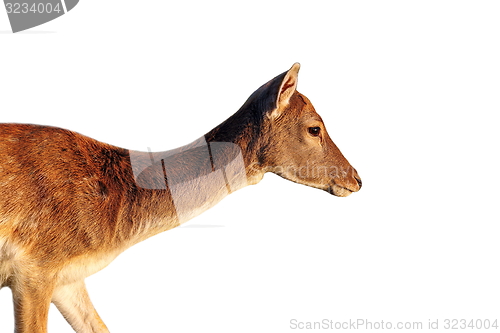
70	204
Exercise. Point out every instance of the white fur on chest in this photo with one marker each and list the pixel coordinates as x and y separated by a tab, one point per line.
8	254
77	269
84	266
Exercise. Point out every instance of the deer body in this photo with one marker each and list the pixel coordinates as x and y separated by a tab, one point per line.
70	204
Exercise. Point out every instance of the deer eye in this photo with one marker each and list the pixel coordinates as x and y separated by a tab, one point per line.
314	131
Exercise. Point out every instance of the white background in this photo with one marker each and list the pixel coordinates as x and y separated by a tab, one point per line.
409	92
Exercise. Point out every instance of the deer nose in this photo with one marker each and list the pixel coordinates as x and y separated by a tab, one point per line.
360	183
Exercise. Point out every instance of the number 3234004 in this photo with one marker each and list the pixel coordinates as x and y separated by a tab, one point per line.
35	8
455	324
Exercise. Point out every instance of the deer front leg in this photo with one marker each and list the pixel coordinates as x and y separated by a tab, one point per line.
74	303
31	304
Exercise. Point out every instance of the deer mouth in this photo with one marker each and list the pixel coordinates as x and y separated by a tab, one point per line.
338	191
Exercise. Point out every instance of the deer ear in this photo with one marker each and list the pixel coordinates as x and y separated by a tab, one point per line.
286	90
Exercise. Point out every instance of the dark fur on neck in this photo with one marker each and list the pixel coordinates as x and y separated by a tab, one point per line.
246	126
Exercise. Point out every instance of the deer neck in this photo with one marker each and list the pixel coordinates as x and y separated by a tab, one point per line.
180	184
195	177
249	132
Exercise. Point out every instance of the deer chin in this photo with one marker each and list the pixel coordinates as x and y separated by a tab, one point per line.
338	191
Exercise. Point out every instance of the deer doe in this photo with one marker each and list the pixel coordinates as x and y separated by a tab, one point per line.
70	204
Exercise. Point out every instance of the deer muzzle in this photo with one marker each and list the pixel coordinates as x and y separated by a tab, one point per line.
343	186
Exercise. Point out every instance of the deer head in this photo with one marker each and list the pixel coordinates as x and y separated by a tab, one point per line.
279	131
